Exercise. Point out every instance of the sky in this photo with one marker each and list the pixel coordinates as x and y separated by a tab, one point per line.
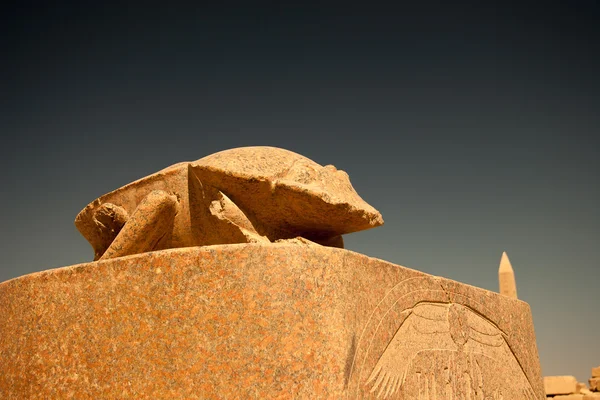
472	128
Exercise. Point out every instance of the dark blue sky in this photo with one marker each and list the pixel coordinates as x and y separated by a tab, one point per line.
472	128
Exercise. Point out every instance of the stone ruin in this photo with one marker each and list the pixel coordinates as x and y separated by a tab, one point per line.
226	278
566	387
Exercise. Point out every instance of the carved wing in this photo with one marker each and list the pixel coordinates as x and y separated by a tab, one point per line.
425	328
482	332
486	339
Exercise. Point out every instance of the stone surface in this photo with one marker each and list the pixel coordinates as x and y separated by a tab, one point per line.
596	372
243	195
581	387
591	396
569	397
150	225
278	320
595	384
108	219
565	384
506	278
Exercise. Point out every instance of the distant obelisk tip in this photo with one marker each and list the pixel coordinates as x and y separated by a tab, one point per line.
505	263
506	277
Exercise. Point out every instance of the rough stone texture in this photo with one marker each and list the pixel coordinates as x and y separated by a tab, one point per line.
108	219
282	320
581	387
243	195
568	397
595	384
150	225
566	384
591	396
596	372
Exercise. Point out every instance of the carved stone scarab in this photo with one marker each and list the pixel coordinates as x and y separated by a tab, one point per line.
242	195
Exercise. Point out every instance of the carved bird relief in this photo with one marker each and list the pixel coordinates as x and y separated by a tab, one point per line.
448	351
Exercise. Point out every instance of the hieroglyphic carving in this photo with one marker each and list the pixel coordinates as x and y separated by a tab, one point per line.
441	346
445	351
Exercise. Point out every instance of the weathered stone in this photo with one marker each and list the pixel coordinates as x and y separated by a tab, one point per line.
596	372
564	384
243	195
149	227
276	320
569	397
581	387
595	384
104	226
286	192
591	396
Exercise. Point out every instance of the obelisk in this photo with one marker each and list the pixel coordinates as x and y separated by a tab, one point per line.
506	278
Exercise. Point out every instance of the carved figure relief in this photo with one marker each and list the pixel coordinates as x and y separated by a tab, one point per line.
446	351
424	342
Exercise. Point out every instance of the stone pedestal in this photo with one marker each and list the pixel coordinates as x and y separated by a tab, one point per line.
260	321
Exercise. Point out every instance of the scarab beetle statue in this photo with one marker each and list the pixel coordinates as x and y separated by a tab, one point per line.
242	195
